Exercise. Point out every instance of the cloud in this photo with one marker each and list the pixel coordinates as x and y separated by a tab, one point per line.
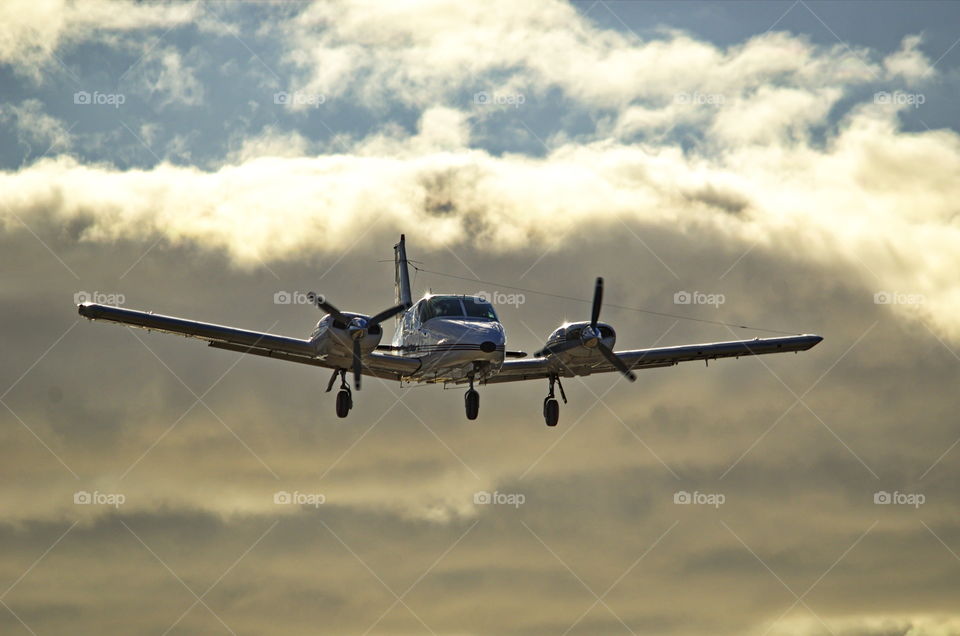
872	626
398	489
348	51
806	202
762	170
165	74
909	62
35	127
32	31
270	142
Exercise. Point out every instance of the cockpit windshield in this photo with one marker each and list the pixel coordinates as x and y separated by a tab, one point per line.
444	306
456	307
479	308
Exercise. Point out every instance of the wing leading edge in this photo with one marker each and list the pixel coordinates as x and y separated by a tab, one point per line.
537	368
245	341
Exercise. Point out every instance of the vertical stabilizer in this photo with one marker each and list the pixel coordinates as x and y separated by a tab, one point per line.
402	280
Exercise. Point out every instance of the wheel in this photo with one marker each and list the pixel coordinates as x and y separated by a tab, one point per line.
472	402
344	402
551	411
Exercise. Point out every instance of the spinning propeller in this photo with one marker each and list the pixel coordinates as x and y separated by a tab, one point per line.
591	338
358	327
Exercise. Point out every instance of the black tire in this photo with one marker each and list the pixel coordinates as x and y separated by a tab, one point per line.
472	403
344	402
551	411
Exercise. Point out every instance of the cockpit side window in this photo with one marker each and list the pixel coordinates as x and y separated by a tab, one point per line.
424	311
478	308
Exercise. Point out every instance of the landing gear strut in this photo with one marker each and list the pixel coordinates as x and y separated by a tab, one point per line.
344	396
471	401
551	408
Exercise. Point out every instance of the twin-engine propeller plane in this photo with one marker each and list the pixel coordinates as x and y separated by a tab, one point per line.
449	339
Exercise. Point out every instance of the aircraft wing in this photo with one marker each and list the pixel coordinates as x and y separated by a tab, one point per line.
538	368
244	341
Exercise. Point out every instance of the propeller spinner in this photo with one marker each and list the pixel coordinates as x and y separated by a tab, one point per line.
590	337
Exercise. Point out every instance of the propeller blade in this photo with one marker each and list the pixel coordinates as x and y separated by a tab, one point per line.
330	309
387	313
557	348
615	361
597	300
357	364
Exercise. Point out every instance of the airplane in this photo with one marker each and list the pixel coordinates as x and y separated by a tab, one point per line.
447	339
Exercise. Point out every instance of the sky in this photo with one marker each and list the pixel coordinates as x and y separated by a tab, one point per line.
787	166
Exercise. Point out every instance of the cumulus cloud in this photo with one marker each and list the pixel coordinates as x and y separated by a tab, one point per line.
909	62
41	132
168	77
791	197
347	50
270	142
31	32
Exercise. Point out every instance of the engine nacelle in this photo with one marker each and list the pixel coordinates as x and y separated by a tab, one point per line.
334	338
586	338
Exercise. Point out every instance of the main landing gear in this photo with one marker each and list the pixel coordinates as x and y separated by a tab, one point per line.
471	401
551	408
344	396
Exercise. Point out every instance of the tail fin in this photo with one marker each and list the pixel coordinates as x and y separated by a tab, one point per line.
402	279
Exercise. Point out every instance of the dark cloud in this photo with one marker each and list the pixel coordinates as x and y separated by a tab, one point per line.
596	497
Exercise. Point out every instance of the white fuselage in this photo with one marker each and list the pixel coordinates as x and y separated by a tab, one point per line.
453	336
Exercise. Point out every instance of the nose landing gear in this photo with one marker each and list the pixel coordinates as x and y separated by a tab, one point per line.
551	408
471	401
344	395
